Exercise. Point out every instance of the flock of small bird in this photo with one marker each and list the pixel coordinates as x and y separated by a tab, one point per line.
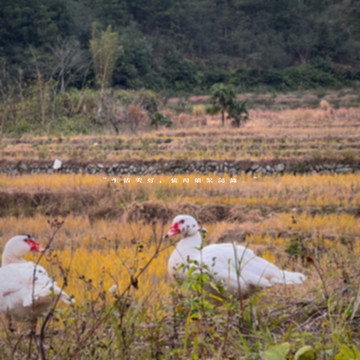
27	291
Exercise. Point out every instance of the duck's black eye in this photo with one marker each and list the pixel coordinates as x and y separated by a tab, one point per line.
182	221
26	240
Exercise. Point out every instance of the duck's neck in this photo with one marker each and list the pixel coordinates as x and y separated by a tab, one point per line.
10	259
189	246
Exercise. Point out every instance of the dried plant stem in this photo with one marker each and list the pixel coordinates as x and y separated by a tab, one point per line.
133	280
321	276
56	225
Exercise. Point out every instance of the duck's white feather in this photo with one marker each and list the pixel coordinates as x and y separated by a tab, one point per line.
26	290
234	265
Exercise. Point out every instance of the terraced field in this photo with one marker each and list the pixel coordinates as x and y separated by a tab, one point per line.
288	134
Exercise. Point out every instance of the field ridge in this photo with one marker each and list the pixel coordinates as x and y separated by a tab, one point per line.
162	166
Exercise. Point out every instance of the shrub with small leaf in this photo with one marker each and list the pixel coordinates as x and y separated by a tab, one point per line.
158	119
237	111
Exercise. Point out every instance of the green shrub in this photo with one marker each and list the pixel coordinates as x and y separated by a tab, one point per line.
20	128
74	125
237	111
159	119
125	97
212	109
148	100
307	76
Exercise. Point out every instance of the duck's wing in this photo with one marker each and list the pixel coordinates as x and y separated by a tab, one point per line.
27	284
15	286
238	266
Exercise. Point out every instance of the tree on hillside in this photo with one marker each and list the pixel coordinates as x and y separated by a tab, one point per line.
224	95
105	50
68	59
238	111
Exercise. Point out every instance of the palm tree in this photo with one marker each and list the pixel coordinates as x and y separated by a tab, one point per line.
238	111
224	95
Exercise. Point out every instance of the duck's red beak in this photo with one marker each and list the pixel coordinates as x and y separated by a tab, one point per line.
34	246
174	230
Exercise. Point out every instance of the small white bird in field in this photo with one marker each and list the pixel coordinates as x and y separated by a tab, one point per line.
26	290
235	266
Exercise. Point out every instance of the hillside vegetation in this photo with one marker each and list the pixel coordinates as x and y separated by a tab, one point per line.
185	46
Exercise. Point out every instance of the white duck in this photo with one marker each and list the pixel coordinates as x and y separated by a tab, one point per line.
25	288
234	265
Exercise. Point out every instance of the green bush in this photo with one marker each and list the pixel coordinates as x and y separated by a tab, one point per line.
212	109
20	128
125	97
179	73
74	125
159	119
148	100
307	76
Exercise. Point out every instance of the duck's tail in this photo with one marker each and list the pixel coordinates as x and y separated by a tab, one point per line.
44	292
65	298
290	278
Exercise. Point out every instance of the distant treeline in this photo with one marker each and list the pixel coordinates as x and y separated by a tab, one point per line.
184	45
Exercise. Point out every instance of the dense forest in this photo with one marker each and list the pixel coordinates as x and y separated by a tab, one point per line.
184	45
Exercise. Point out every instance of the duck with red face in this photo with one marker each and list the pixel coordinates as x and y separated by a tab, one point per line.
25	288
17	247
235	266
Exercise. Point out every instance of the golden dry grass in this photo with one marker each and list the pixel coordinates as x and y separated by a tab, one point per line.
266	211
105	252
314	214
316	190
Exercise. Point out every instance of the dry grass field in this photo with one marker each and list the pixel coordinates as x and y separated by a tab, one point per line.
290	133
113	233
